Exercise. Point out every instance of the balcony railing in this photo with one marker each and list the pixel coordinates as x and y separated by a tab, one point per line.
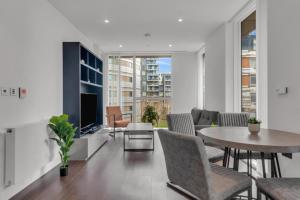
127	84
127	99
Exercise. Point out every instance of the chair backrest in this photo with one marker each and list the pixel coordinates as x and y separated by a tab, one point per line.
181	123
113	111
234	119
187	163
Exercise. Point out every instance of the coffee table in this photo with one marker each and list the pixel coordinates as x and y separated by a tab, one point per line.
140	129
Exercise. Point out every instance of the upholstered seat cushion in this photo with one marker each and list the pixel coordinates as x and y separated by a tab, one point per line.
280	189
122	123
226	182
214	154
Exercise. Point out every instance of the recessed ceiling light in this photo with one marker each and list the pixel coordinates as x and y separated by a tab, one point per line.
120	46
170	45
180	20
106	21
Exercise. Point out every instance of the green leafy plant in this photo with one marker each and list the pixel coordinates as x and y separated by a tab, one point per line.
65	132
253	120
150	115
213	124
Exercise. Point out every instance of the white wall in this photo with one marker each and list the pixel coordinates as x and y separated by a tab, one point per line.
283	70
31	36
184	82
215	64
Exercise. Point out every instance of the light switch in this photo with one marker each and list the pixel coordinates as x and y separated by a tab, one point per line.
5	91
22	93
282	90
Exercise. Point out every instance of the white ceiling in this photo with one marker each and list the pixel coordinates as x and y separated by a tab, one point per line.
131	19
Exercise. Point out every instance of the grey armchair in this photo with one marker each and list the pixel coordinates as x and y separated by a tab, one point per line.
183	123
190	172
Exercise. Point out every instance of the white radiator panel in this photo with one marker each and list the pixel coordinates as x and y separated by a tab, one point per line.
9	157
34	155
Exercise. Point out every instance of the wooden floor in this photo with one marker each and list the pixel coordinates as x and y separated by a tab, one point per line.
110	174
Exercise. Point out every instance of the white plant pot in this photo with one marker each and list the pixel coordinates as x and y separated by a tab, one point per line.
254	128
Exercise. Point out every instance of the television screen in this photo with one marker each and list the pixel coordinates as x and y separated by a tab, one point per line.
88	109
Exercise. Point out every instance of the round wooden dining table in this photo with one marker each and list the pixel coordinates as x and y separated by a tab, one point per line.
266	142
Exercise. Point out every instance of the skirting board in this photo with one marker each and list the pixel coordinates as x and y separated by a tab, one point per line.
84	147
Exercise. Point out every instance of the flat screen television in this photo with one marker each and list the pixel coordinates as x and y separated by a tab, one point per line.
88	110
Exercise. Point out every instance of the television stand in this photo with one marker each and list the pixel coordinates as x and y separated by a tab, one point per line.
85	146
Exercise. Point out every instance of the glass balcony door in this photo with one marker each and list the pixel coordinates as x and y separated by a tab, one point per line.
135	82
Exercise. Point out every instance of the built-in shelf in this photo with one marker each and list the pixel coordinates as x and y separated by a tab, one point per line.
89	83
82	73
96	70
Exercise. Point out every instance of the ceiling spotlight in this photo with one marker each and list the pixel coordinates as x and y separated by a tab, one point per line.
170	45
180	20
106	21
120	46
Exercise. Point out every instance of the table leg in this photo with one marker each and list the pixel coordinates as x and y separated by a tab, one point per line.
124	141
262	154
225	156
153	139
278	166
273	166
250	167
228	157
248	163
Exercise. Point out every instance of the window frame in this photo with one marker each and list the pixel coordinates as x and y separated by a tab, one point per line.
237	21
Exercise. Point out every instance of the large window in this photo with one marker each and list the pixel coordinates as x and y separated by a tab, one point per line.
248	64
135	82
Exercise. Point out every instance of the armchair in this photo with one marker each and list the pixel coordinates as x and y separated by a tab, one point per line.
115	118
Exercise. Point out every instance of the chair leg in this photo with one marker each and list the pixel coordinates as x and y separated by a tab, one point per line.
258	194
114	133
250	193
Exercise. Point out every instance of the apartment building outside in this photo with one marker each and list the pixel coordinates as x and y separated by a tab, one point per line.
145	82
248	64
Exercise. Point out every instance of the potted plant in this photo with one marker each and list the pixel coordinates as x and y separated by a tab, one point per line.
254	125
150	115
64	132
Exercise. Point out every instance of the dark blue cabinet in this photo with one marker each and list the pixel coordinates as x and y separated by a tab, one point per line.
82	73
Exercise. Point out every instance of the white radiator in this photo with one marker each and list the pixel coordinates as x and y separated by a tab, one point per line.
8	136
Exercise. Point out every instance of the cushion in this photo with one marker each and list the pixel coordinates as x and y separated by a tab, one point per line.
280	189
122	123
208	117
196	113
227	182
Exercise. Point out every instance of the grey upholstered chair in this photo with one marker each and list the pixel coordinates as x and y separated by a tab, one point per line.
279	188
183	123
233	119
190	172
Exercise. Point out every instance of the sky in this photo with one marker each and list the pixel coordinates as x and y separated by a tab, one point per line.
165	65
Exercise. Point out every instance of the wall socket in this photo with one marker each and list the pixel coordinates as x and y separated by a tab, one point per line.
14	91
5	91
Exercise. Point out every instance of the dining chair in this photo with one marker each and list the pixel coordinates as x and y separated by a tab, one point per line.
115	118
279	188
183	123
189	171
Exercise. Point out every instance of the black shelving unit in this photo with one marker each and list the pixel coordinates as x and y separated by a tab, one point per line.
82	73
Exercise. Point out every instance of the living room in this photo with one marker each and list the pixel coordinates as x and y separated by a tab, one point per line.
125	73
